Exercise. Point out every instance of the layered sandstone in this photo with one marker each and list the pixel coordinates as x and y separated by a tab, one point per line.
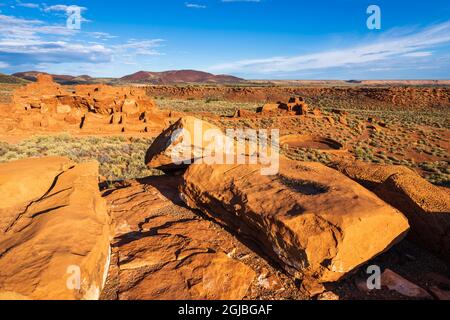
426	206
312	219
46	106
162	250
295	106
105	99
183	143
37	94
54	230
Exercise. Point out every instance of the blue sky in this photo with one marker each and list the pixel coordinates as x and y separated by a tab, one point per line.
254	39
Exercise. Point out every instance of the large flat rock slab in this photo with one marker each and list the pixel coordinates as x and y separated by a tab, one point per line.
182	144
312	219
162	250
54	230
426	206
25	180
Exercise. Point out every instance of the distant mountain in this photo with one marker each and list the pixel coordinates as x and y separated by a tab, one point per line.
61	79
4	78
167	77
200	77
179	76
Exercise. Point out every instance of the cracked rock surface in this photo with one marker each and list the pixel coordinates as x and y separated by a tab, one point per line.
54	230
163	250
426	206
315	221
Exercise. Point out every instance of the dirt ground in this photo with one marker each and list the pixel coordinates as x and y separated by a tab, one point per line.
354	123
394	125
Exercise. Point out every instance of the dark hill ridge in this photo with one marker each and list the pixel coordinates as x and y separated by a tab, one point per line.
179	76
175	77
144	77
11	79
59	78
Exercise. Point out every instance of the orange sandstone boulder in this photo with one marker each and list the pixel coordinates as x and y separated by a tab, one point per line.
312	219
162	250
21	183
268	108
370	175
54	230
182	143
343	120
426	206
317	112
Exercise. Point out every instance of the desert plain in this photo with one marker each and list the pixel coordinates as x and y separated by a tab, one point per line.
93	207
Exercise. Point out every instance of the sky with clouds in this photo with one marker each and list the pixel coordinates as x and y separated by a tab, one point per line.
254	39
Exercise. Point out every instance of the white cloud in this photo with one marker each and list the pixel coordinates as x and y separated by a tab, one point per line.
3	65
35	43
18	29
418	54
387	47
140	47
195	5
28	5
379	69
63	7
101	35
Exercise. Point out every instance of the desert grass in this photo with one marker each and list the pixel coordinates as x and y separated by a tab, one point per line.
417	139
120	158
413	139
210	105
